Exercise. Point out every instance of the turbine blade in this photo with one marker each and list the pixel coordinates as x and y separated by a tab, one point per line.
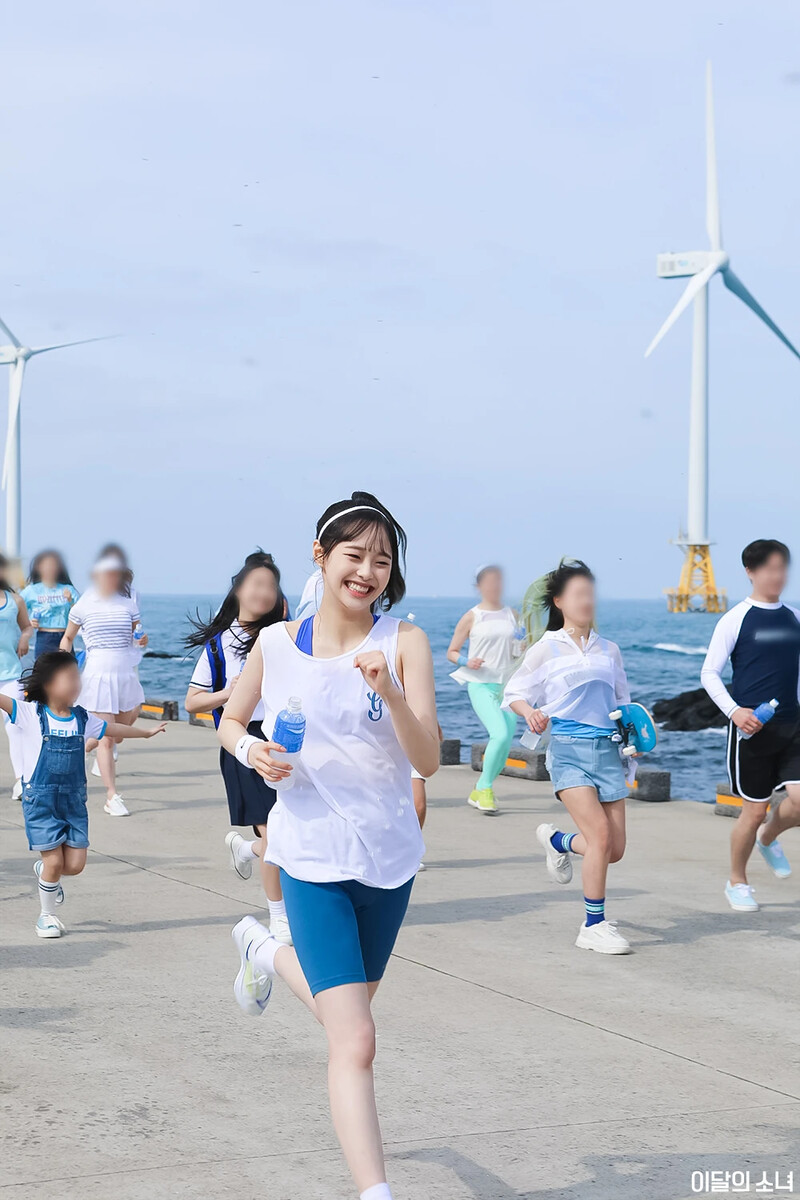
735	285
14	397
693	288
11	337
712	183
83	342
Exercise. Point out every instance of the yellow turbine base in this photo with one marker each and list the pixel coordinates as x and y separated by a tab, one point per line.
697	590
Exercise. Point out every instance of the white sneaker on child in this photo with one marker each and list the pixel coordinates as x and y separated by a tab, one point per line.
38	867
49	926
243	867
115	808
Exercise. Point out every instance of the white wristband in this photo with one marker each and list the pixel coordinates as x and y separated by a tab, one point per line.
243	749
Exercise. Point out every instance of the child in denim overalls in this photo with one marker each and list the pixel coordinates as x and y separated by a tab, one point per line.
50	733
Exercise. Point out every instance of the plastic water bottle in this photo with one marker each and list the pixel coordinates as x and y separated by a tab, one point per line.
289	732
138	631
765	712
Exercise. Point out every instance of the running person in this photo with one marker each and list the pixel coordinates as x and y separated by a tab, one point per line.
760	637
574	678
15	637
49	595
491	628
345	834
49	729
254	602
106	616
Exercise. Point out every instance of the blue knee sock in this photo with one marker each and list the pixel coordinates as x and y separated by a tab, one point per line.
595	910
562	842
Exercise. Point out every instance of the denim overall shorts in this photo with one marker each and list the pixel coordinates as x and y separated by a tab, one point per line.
54	798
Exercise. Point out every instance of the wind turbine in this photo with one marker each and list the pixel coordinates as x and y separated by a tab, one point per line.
697	576
16	356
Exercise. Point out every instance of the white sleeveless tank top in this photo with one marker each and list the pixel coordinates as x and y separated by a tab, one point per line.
350	812
492	639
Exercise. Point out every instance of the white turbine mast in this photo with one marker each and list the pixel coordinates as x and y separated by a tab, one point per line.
16	356
702	265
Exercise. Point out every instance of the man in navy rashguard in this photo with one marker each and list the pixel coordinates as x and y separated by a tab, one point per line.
761	639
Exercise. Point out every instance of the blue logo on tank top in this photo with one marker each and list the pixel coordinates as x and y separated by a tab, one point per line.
375	706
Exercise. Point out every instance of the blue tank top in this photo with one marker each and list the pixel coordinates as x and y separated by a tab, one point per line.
10	666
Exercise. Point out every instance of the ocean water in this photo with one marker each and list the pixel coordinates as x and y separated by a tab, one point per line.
663	654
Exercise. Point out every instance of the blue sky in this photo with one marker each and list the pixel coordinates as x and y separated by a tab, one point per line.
401	246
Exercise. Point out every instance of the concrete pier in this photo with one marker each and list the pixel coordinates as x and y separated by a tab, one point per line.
511	1065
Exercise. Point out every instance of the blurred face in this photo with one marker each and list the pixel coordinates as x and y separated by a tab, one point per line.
491	587
356	573
108	583
48	569
64	688
577	602
771	577
258	592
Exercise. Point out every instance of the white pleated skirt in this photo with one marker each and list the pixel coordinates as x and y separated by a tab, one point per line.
110	682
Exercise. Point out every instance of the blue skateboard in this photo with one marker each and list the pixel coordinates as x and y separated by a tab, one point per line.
635	729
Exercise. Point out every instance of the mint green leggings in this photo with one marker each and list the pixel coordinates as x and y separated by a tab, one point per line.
500	726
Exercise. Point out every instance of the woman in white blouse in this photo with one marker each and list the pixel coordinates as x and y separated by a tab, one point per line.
106	616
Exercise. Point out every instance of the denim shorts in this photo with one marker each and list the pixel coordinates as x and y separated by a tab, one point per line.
55	816
343	932
587	762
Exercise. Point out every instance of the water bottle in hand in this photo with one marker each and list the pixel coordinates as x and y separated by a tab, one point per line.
138	631
289	731
765	712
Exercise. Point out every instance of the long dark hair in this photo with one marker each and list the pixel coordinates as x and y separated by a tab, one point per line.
34	572
113	550
554	585
35	680
228	611
5	586
347	528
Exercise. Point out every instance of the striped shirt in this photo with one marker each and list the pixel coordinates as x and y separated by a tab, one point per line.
105	622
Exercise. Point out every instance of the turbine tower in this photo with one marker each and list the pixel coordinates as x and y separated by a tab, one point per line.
697	588
16	356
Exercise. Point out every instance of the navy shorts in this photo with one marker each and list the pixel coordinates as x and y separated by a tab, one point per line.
343	932
768	760
55	816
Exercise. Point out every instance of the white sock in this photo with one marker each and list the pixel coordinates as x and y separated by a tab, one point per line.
47	895
245	851
263	956
379	1192
277	908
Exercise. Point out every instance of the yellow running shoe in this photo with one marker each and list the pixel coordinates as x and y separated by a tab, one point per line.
483	799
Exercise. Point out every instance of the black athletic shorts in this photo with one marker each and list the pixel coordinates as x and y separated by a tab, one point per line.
766	761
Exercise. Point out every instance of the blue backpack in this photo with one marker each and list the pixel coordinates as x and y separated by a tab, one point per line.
219	676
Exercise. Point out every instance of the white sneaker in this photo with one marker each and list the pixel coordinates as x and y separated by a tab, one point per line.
96	769
251	989
279	928
603	938
49	926
115	808
421	867
115	752
559	867
242	866
16	791
38	867
740	897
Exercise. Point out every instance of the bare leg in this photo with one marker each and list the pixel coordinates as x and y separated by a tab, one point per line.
270	874
587	812
53	864
785	816
743	837
287	966
105	759
74	860
345	1014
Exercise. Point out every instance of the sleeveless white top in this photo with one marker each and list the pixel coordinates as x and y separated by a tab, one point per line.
349	813
492	639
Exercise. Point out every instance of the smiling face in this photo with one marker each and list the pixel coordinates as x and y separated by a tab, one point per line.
357	572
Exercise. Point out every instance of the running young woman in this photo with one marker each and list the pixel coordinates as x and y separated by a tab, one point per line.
49	596
255	601
49	728
106	617
15	637
573	678
492	629
344	833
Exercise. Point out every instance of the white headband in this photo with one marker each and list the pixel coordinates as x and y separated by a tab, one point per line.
346	512
111	562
